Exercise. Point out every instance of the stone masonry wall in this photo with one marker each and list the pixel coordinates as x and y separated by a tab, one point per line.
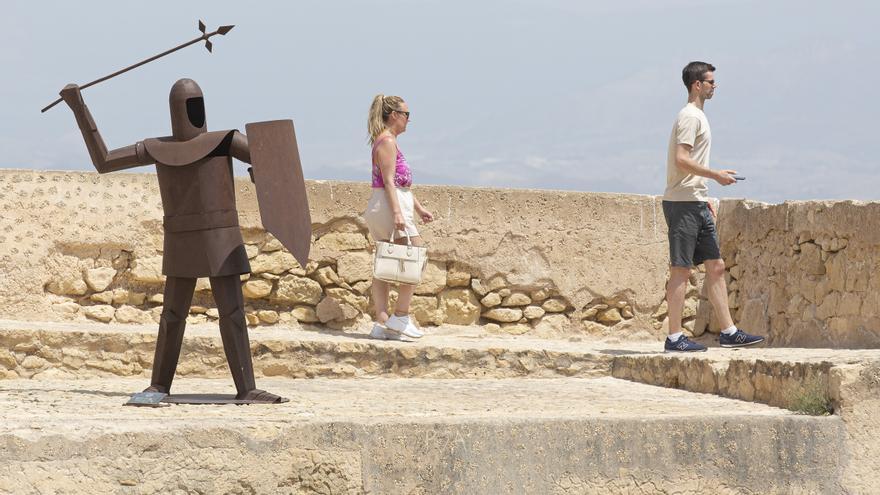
80	246
807	274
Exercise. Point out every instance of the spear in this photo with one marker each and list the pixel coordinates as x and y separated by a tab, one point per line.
222	30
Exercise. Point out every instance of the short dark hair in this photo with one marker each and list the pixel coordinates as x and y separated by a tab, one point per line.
694	72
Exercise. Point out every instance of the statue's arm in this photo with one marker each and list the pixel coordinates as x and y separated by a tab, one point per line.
103	160
240	151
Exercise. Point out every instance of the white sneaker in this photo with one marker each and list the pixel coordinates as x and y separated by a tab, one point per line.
403	325
378	332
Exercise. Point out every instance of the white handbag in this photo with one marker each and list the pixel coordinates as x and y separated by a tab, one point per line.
399	263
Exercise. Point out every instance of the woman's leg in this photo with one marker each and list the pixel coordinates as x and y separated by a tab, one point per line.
380	300
405	291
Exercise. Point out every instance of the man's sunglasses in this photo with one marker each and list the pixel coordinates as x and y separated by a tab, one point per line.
709	81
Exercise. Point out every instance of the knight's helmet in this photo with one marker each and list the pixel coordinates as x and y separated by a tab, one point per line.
187	110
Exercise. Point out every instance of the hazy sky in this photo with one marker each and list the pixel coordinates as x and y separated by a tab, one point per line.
552	94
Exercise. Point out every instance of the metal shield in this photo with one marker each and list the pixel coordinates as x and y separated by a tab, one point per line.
281	191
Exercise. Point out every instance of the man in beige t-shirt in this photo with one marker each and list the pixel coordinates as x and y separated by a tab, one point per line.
689	215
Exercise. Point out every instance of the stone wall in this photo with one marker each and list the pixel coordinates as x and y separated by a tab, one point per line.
78	246
807	274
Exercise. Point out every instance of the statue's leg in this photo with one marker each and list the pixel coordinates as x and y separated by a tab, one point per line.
176	301
233	331
236	344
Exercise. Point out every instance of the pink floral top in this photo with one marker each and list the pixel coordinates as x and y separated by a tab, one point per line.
402	173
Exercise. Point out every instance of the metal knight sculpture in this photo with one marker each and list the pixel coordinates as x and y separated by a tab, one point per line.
202	236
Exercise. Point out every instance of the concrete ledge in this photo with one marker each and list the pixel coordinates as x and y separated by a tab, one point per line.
561	436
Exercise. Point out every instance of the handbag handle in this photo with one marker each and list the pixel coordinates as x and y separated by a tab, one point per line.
408	242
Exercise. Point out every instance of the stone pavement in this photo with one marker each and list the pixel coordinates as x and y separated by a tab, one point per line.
460	411
425	436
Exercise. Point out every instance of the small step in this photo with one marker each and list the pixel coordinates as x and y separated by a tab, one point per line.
66	350
394	435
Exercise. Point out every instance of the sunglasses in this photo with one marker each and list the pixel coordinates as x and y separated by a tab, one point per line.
401	111
708	81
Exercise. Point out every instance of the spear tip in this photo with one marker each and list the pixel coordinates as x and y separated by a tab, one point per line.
222	30
209	45
202	26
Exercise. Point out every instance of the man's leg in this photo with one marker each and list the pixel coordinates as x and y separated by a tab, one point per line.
676	290
716	290
236	344
177	299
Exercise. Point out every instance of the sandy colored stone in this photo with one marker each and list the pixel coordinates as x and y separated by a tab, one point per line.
515	328
67	307
326	276
458	275
342	241
197	310
426	310
256	288
100	312
553	324
276	262
433	280
130	314
7	360
516	299
610	316
271	244
355	266
504	315
539	295
157	298
491	300
532	312
330	309
251	318
68	287
213	313
460	306
294	289
554	306
251	250
147	270
305	314
478	287
348	297
105	297
362	287
203	284
98	279
268	316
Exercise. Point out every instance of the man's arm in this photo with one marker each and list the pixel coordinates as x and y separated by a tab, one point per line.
687	164
103	160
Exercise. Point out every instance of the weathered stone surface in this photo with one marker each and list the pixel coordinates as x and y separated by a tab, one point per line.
516	299
130	314
342	241
276	262
67	307
554	306
491	300
304	314
98	279
504	314
458	275
610	316
330	309
532	312
553	324
105	297
256	288
147	270
267	316
426	310
355	266
348	297
101	312
433	280
294	289
271	244
68	287
460	306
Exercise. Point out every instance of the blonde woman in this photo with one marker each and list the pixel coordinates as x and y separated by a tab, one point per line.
391	209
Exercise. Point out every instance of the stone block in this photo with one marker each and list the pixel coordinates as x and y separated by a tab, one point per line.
257	288
294	289
355	266
130	314
68	287
304	314
426	310
554	305
516	299
98	279
147	270
100	312
491	300
433	280
458	275
504	315
276	262
533	312
460	306
342	241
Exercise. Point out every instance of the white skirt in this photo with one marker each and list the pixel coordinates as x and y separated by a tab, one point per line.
380	219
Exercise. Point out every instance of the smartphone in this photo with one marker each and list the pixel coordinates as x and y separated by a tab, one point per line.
739	177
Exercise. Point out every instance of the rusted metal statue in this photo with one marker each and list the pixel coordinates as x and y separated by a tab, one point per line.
202	235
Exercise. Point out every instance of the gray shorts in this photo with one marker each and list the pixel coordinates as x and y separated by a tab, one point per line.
692	236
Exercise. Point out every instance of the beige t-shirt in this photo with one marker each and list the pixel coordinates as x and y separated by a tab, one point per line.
691	127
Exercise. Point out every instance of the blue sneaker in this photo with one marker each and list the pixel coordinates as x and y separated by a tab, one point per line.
739	339
683	344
